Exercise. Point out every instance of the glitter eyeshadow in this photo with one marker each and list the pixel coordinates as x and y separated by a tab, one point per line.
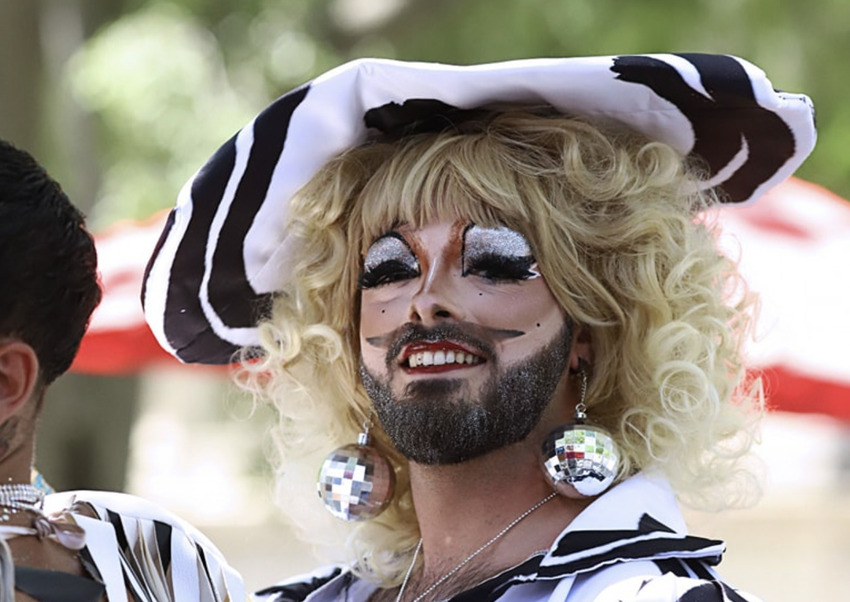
499	242
390	247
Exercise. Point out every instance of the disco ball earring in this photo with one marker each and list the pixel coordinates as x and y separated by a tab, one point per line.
356	482
579	459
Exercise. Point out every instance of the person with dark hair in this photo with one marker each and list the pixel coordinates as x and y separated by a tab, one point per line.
61	546
498	280
48	266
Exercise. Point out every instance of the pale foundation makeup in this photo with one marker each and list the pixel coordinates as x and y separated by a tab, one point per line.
483	278
451	308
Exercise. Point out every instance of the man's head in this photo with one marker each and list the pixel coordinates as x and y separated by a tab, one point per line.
48	266
590	210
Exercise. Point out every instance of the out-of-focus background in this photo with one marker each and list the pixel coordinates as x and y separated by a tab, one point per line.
123	100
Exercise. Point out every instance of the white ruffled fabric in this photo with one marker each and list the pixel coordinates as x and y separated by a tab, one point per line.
139	546
671	588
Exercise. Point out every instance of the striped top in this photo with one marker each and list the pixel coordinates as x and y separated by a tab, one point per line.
137	551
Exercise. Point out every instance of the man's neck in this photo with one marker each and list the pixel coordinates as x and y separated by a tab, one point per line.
16	464
460	507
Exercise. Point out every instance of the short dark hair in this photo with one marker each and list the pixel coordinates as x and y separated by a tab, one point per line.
48	264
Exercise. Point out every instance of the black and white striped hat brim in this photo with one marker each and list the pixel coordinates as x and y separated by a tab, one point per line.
224	250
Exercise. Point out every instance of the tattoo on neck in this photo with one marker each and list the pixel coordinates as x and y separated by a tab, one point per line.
7	434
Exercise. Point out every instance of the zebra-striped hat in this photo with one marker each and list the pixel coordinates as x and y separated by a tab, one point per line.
224	251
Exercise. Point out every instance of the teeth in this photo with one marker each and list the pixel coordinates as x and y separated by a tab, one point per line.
441	358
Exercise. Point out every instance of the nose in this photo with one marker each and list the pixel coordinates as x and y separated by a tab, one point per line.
438	299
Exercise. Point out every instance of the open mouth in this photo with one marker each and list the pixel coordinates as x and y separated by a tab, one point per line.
439	355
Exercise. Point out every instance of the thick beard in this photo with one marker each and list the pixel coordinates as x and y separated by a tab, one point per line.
429	426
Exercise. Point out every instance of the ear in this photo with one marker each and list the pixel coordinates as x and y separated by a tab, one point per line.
581	347
18	376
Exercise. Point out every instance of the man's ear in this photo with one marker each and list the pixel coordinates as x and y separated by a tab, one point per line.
581	347
18	376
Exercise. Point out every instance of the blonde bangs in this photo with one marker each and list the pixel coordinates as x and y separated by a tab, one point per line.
439	177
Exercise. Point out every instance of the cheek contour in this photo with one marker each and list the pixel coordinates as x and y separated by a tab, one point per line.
532	310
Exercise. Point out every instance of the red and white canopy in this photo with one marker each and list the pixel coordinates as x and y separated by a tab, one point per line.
794	250
118	340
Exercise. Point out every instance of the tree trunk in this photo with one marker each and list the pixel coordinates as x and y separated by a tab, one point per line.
20	73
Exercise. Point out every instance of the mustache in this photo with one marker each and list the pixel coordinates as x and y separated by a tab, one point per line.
482	339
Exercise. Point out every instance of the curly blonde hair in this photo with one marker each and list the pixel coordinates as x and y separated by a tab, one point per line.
612	221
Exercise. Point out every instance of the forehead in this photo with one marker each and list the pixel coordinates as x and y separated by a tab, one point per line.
419	211
470	236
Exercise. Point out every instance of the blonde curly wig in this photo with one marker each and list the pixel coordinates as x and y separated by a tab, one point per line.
612	219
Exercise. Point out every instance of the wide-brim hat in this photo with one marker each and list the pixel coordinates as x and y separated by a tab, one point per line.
225	251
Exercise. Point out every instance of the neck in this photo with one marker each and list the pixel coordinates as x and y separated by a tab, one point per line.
462	506
16	464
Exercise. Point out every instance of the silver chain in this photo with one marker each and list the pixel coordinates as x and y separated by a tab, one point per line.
581	408
468	559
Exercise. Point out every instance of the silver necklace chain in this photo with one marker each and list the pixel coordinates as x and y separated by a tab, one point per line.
468	559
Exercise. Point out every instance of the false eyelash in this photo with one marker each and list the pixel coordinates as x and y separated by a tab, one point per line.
492	266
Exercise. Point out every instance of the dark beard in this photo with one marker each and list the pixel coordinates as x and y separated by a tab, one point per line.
429	426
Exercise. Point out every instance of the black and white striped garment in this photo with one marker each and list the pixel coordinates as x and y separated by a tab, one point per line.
224	251
135	546
629	545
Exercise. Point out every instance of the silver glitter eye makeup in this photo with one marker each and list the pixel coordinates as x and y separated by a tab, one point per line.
495	241
388	260
498	254
390	247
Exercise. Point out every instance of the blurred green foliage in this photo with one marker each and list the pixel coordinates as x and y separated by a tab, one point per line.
172	80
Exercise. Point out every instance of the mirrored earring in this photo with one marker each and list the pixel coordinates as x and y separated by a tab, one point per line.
356	482
580	459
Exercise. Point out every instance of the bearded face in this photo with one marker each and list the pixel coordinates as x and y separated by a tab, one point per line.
463	344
